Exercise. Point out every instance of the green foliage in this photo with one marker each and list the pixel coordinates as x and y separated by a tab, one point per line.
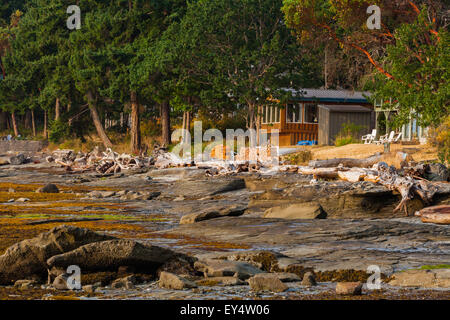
300	158
419	62
440	138
59	130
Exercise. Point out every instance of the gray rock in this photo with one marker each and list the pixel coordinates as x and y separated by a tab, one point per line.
435	278
212	213
17	160
224	268
28	257
61	282
22	200
349	288
49	188
309	279
124	283
297	211
112	254
172	281
200	189
267	282
287	276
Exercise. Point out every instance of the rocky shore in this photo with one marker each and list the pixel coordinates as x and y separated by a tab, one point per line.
176	233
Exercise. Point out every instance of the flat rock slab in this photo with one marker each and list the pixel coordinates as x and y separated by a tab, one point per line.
225	268
212	213
311	210
436	278
202	188
334	244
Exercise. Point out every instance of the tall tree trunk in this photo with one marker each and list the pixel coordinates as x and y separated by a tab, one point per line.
14	123
188	121
33	123
45	133
57	110
135	125
165	123
98	124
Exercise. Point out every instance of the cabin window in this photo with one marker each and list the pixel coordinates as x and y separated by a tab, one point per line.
294	113
311	113
270	114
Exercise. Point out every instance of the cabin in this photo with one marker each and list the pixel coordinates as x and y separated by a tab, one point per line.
311	109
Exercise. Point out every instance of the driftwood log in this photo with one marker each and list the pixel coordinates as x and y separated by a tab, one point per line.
436	214
346	162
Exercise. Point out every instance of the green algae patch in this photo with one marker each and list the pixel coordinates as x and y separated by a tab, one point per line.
431	267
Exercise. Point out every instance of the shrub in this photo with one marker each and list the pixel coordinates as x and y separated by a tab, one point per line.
58	131
440	138
348	134
299	158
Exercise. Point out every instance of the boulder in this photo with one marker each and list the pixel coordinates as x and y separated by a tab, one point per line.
112	254
435	278
17	160
224	268
349	288
28	257
49	188
309	280
207	214
172	281
124	283
267	282
297	211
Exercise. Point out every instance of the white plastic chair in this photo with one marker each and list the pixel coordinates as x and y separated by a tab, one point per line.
386	138
368	138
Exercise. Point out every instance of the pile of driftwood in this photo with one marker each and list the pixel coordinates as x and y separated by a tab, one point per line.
408	181
101	162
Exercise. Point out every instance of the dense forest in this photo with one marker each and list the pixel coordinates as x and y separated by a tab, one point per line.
166	62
